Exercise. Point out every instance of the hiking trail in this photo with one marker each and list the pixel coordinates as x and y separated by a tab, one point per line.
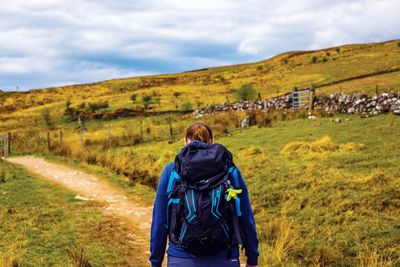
91	188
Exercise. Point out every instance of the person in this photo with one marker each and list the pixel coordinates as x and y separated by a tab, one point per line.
200	157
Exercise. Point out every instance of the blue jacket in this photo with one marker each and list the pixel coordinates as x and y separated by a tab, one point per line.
159	231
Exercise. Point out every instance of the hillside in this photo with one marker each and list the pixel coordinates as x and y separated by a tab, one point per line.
348	68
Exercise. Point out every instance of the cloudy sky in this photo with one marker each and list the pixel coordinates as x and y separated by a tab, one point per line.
56	42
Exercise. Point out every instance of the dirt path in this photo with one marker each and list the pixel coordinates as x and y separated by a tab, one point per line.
89	187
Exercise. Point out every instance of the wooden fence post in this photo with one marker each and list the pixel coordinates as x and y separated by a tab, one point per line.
9	142
171	133
265	106
238	117
82	127
109	135
311	101
2	151
5	145
48	141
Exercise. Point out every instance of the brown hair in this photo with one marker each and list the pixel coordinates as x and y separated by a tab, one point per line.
200	132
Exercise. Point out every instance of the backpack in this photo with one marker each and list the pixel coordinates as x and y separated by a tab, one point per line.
203	221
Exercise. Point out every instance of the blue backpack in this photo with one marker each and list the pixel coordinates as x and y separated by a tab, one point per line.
202	220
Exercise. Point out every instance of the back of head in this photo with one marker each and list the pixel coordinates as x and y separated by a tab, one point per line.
200	132
201	158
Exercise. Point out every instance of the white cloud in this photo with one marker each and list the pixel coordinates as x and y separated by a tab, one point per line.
46	42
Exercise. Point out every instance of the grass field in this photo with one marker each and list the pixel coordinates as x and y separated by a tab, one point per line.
40	221
323	193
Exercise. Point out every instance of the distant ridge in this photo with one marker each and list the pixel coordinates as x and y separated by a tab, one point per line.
347	68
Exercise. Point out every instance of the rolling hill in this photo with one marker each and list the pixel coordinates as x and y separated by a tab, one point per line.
349	68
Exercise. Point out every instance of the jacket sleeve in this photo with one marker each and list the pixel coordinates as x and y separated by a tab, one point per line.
159	231
247	223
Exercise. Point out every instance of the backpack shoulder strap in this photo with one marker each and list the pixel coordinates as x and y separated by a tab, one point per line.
233	171
172	179
235	205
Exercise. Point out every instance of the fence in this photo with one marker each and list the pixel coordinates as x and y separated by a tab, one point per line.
303	98
5	144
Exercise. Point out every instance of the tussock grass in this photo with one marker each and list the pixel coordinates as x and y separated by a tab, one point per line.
78	257
372	258
8	261
282	242
352	147
378	178
324	144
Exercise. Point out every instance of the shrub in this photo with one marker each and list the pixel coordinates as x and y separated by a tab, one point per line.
3	175
325	59
199	104
176	94
47	119
314	59
82	105
70	111
146	101
133	98
259	118
221	122
246	92
93	107
187	106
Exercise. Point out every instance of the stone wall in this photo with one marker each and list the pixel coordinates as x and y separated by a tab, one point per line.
337	103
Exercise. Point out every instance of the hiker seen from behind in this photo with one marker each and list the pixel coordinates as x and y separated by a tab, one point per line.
202	207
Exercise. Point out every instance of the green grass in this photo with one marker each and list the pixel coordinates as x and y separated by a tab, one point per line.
338	206
323	193
39	221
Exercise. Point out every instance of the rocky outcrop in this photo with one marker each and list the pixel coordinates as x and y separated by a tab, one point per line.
337	103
